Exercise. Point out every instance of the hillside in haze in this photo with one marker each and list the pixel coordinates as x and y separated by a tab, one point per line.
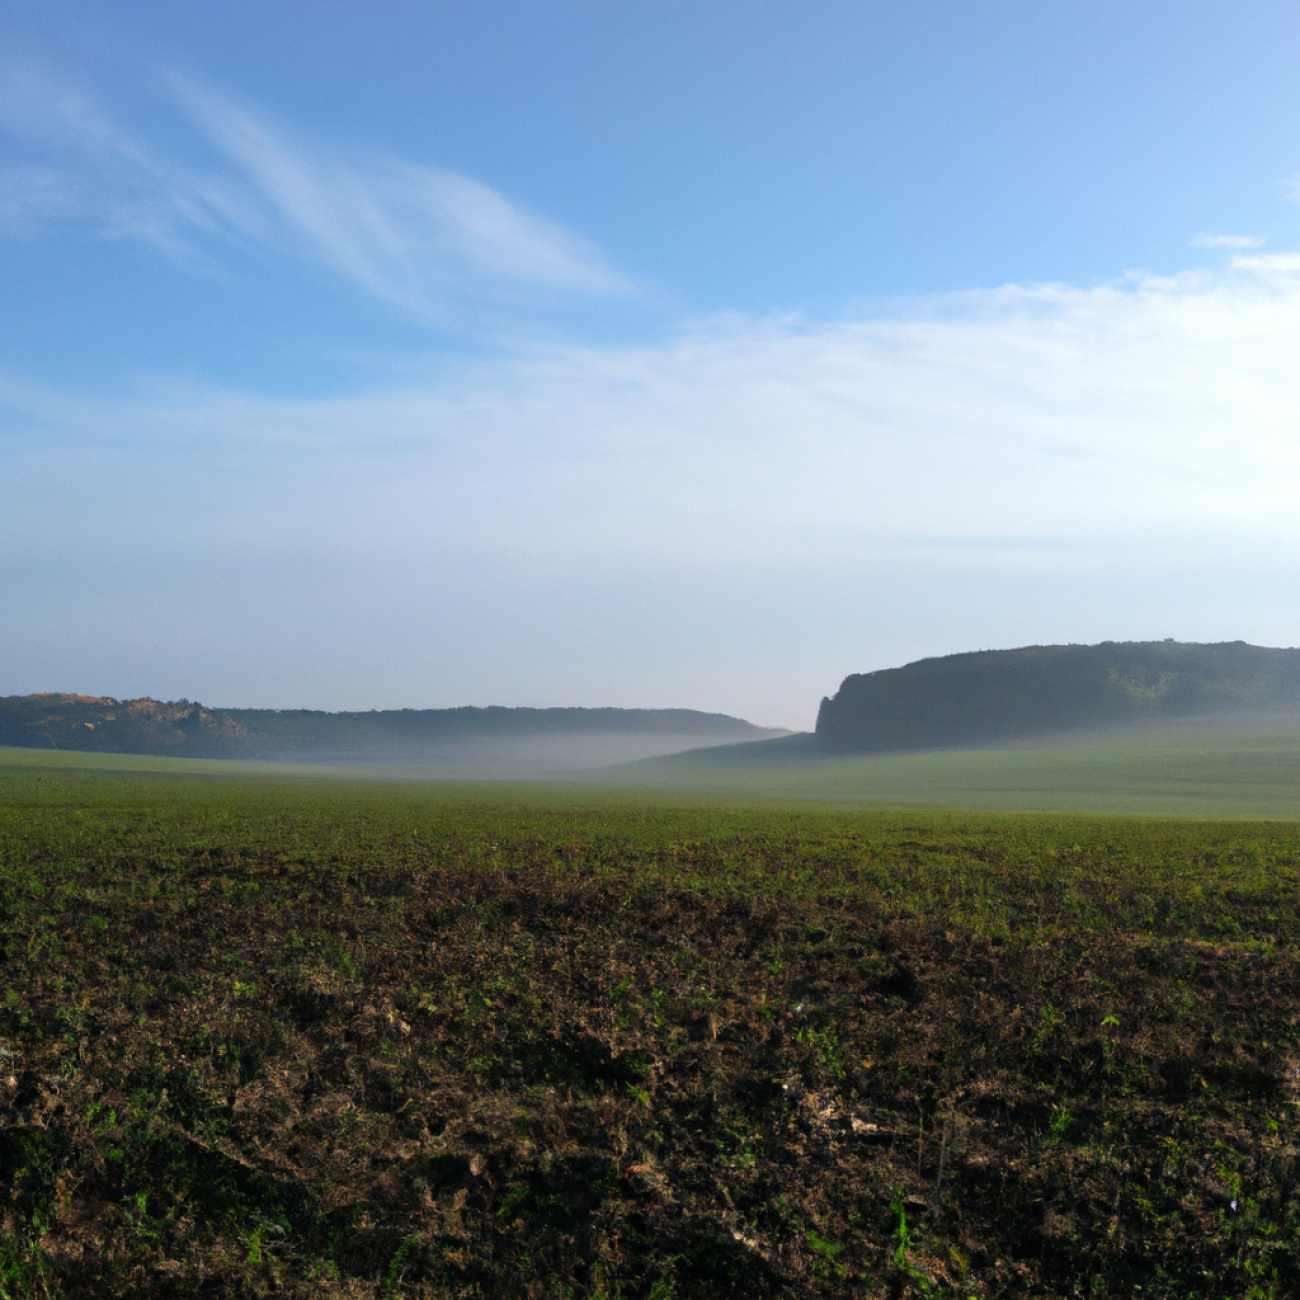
993	697
490	739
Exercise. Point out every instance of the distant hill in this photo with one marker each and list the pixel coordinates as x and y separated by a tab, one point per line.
101	724
999	696
471	738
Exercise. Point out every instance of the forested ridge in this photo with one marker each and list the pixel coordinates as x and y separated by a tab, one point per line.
993	696
184	728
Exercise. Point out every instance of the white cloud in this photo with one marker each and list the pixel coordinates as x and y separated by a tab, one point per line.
88	168
413	235
753	501
1269	264
1227	241
431	241
1031	422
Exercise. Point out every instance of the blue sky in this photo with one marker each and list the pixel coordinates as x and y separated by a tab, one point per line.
686	354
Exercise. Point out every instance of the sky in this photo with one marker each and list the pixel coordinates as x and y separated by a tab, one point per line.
673	355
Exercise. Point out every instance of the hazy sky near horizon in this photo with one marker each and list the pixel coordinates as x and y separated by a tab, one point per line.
646	355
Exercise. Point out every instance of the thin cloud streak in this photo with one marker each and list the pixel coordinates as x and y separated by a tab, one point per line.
436	244
411	235
90	169
32	196
1227	241
1277	266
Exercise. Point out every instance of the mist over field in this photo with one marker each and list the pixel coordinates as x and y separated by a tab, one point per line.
449	742
1137	727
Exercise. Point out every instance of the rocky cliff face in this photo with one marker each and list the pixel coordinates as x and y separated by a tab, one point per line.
105	725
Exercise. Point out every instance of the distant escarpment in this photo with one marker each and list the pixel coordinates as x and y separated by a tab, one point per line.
1001	696
474	738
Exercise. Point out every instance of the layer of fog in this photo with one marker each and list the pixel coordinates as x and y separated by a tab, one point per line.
544	755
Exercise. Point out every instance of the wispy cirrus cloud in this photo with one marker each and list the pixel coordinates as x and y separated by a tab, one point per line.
82	166
32	195
431	241
1227	241
411	234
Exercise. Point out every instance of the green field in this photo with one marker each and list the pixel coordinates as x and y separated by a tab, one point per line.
265	1034
1181	774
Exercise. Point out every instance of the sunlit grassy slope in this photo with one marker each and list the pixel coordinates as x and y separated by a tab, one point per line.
1178	774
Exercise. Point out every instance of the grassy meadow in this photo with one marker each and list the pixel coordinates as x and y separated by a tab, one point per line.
1180	773
262	1034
